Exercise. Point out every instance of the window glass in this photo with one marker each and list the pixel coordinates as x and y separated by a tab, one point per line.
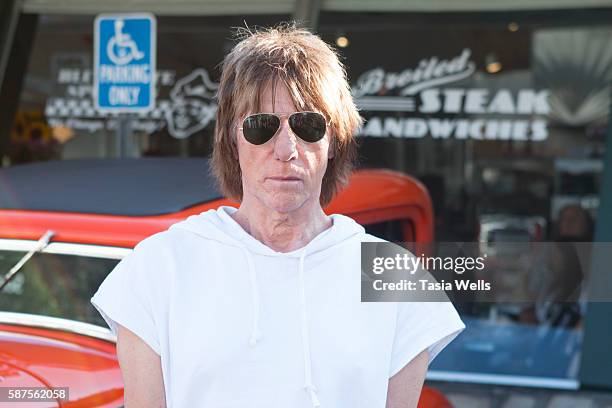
502	116
56	118
392	231
504	122
54	285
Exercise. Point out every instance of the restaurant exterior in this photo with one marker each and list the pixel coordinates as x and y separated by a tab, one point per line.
501	109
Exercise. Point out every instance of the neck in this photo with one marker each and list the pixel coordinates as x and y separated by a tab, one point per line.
282	231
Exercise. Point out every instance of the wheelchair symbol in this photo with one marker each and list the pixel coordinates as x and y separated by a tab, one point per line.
121	49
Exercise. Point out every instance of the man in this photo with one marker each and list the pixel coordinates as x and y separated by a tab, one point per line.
260	306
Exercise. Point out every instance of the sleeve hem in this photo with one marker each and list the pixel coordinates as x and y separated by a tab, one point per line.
112	318
434	343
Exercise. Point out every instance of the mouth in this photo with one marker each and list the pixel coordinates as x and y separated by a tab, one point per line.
284	178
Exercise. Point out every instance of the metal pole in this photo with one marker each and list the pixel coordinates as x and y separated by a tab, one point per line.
124	135
9	10
16	39
596	358
306	13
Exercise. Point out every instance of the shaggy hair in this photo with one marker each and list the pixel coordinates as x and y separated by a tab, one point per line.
316	80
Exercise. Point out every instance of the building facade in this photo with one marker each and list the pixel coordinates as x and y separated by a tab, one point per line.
502	111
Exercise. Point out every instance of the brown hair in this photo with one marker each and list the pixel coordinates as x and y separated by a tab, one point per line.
316	80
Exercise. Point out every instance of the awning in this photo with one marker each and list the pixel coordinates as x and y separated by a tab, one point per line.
246	7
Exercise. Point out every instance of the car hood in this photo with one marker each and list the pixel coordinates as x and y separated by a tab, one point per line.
37	357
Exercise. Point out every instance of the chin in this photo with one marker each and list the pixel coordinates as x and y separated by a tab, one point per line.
285	204
286	207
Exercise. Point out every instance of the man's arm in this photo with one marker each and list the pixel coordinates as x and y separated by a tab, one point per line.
405	386
141	370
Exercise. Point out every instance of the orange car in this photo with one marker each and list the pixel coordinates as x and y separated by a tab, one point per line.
78	218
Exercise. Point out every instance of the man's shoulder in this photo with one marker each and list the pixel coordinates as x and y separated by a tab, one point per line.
372	238
170	240
159	241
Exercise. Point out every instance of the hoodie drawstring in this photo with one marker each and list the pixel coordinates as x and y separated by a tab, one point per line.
308	385
256	333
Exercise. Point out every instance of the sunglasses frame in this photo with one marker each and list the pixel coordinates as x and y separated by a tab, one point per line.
282	116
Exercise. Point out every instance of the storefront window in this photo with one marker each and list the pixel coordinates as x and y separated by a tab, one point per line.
505	125
56	118
503	120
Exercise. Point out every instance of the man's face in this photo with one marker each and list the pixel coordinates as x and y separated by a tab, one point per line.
285	173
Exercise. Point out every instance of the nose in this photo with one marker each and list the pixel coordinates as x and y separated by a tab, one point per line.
285	145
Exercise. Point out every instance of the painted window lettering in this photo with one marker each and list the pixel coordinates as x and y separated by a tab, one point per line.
525	102
429	72
189	107
461	113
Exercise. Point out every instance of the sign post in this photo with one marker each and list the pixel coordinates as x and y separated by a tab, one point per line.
124	68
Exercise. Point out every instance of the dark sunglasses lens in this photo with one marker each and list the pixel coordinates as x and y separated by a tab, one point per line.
260	128
308	126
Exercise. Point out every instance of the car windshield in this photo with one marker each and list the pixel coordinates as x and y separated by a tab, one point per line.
54	285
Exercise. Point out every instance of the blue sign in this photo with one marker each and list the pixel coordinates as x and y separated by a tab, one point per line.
124	62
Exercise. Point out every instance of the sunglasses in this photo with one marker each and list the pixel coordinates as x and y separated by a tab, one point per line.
261	127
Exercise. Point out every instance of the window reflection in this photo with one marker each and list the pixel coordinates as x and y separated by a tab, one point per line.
54	285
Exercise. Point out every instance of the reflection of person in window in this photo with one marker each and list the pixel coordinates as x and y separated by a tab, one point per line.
574	224
558	280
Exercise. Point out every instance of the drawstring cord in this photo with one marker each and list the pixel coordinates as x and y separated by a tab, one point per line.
308	385
256	333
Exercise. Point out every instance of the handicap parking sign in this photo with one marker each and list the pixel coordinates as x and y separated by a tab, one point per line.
124	62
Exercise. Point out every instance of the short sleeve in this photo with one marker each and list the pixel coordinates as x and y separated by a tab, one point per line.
420	326
126	296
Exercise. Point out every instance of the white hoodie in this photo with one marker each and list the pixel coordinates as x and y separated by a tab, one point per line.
240	325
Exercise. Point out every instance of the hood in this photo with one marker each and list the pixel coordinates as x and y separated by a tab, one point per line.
32	355
218	225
